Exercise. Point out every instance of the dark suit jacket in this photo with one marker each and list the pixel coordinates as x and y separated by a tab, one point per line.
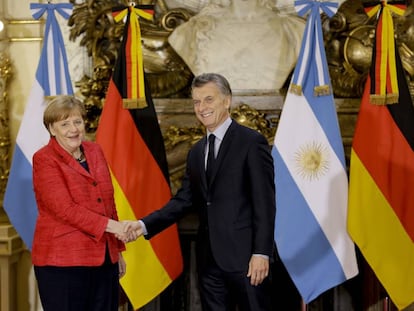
237	209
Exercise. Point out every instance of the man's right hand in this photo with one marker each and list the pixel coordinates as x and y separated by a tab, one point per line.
132	230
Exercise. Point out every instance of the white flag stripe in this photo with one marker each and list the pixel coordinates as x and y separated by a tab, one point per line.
299	7
305	56
32	134
51	64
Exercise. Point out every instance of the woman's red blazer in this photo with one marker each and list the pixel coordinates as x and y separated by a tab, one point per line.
74	207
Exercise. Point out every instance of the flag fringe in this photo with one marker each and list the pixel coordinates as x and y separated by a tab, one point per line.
134	103
296	89
321	90
388	99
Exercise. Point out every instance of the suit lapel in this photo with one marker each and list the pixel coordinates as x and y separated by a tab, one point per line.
224	150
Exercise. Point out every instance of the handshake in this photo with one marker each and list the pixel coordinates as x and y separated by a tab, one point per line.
126	231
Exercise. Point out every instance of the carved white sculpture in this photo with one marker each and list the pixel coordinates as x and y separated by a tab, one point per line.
253	46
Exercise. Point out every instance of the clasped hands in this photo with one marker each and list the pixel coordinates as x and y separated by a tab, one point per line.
126	231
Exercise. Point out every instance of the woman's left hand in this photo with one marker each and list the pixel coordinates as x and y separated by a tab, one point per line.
121	266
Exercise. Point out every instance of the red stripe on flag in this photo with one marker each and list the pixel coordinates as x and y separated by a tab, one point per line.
387	157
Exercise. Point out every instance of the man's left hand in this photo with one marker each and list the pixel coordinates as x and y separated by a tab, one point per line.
258	269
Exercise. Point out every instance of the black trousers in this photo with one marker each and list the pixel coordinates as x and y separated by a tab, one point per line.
79	288
229	291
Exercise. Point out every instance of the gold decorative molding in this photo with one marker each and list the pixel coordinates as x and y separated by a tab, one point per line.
24	21
11	247
5	76
34	39
10	242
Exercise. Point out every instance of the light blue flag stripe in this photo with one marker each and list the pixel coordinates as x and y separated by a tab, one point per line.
52	78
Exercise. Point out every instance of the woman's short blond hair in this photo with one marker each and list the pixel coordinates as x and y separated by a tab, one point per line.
61	107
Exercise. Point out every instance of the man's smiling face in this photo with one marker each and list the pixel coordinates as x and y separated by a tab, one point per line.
210	105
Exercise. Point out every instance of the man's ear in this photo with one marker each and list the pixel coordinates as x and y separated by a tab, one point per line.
228	102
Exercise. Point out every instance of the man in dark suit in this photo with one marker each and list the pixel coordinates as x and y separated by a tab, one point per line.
235	203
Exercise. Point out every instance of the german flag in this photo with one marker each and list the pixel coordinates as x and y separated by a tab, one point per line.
381	196
134	148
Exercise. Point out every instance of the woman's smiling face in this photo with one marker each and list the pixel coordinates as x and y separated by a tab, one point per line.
69	132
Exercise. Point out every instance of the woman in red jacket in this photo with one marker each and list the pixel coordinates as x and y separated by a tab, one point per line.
76	256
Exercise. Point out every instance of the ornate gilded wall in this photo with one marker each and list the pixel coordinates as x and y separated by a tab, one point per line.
348	38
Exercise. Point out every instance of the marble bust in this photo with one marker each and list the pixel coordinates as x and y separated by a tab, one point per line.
252	45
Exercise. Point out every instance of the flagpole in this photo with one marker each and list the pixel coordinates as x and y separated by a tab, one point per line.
386	304
304	306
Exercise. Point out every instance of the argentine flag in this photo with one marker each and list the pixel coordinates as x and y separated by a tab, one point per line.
310	172
52	78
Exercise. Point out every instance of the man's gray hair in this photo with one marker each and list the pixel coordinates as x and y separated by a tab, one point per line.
220	81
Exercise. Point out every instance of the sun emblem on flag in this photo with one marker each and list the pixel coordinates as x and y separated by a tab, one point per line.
312	160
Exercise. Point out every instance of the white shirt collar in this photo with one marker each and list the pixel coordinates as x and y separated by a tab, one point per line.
221	130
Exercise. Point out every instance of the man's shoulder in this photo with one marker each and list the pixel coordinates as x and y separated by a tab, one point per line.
245	130
197	145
